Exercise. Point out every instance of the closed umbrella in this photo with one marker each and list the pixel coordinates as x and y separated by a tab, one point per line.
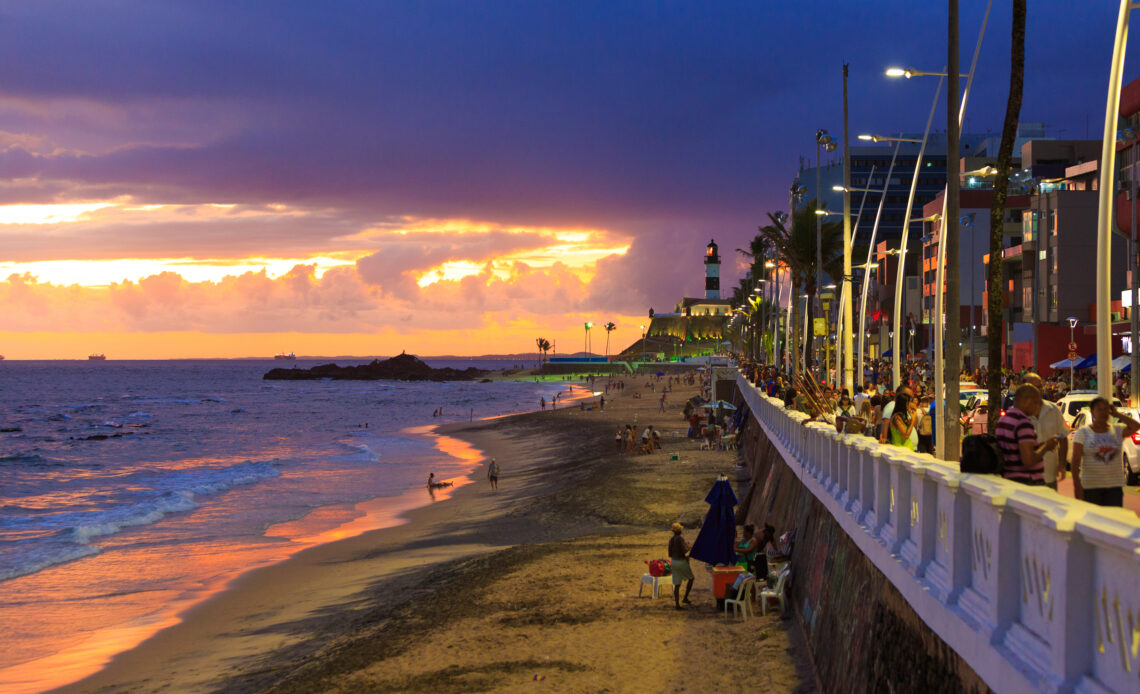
714	543
719	405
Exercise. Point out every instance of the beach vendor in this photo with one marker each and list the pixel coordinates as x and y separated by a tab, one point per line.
747	548
679	561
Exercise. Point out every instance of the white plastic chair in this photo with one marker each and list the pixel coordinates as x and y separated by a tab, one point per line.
776	593
655	581
742	605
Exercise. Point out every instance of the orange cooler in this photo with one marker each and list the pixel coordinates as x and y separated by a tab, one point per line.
724	576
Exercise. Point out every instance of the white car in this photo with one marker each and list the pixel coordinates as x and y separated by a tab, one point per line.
969	390
1076	401
1131	443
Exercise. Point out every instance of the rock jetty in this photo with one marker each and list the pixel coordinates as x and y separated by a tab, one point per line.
402	368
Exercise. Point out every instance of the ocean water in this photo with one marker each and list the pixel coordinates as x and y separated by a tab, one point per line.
130	490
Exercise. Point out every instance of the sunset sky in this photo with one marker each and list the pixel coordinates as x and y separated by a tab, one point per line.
219	179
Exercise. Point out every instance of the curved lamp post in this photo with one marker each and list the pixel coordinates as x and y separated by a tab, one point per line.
896	376
871	246
1107	187
940	419
846	319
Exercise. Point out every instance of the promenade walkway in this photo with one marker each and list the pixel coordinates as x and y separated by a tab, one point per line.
1036	591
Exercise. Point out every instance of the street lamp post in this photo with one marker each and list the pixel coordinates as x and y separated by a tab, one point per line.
896	374
870	249
828	143
586	339
644	351
943	419
1107	188
968	221
845	295
1072	326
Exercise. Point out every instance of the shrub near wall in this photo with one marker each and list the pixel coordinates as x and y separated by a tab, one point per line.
862	634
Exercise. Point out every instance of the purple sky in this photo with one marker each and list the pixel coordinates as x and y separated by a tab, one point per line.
667	122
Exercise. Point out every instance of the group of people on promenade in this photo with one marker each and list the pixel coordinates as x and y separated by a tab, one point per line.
1032	434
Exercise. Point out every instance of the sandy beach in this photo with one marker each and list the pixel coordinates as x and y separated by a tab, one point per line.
535	584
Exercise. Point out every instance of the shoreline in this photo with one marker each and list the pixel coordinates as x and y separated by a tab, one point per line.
407	524
287	625
56	657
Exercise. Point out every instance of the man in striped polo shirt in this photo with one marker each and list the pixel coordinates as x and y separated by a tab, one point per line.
1024	459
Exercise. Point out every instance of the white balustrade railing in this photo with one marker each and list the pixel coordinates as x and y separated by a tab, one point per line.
1037	592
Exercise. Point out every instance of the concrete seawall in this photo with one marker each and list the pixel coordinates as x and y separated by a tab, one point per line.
862	634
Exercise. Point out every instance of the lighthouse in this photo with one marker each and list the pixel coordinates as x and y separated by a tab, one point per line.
712	271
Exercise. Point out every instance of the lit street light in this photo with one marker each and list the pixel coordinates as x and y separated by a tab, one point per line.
909	72
884	138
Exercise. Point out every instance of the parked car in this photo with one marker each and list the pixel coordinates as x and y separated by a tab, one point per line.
1076	401
1131	443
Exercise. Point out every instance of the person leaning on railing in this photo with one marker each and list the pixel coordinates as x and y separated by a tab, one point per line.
1017	438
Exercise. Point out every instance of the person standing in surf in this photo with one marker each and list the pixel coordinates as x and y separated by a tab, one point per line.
493	474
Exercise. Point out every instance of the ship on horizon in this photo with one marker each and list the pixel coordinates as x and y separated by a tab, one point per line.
285	357
97	357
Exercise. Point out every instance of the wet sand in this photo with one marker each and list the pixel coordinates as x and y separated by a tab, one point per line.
535	583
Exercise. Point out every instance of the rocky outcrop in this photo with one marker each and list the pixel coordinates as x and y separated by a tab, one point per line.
402	368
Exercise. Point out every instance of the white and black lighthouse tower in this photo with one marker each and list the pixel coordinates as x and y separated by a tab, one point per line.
712	271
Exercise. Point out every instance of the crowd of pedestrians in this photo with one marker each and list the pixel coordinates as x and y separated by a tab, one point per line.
1031	434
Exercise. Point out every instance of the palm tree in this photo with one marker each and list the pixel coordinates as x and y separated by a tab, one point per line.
796	247
610	327
994	326
543	346
757	253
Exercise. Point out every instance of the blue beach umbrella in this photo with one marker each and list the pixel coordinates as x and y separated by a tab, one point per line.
714	543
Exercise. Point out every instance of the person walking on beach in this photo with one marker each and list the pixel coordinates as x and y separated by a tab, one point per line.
661	406
679	563
619	440
542	403
493	474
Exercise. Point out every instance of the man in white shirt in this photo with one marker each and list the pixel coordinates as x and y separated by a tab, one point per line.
1049	424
